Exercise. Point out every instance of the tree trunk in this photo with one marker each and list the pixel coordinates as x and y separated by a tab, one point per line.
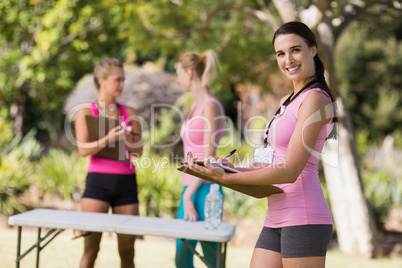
17	109
353	218
354	221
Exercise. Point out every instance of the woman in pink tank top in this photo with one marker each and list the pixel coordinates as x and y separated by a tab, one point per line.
298	226
110	182
200	133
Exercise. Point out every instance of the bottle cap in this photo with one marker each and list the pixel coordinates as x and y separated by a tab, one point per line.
214	187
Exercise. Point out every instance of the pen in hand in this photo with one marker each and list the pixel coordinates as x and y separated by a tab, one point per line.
229	154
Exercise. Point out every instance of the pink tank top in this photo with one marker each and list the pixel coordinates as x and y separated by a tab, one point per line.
103	165
303	201
192	133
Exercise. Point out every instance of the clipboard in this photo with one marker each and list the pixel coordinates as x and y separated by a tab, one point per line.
98	127
257	191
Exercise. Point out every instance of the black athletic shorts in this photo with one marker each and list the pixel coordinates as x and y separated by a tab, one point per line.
297	241
116	189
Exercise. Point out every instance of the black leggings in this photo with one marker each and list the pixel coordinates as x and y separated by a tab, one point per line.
116	189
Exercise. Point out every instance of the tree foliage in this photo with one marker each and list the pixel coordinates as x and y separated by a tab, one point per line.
368	62
47	46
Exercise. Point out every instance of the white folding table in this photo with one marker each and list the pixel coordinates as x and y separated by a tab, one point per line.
59	220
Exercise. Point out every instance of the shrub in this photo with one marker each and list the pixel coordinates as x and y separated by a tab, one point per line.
17	170
381	177
378	190
239	205
159	186
62	174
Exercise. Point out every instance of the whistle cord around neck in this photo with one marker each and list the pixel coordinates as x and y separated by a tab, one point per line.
286	103
292	98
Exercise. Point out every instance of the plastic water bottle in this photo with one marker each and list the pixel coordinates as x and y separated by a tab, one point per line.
213	208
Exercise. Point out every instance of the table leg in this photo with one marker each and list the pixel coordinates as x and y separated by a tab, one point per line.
224	253
38	247
219	261
192	249
209	248
18	247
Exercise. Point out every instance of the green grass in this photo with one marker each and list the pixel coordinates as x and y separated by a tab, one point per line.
63	252
336	259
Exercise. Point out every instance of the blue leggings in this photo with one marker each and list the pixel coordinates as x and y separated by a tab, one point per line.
184	257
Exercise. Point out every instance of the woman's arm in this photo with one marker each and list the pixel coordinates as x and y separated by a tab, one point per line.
133	137
85	147
302	141
213	119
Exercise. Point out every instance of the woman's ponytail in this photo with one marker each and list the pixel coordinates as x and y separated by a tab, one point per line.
211	64
204	65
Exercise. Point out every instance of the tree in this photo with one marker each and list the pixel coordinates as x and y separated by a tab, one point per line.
45	47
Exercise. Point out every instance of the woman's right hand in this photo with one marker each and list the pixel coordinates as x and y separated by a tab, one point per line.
208	169
116	134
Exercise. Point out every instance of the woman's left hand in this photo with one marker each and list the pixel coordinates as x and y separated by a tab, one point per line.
189	210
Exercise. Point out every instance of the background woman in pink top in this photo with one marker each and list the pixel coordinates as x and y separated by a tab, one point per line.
200	133
109	183
298	226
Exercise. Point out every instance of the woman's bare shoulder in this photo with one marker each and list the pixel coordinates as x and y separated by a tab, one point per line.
317	98
84	111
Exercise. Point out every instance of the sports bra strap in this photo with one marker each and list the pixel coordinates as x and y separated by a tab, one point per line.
123	112
95	111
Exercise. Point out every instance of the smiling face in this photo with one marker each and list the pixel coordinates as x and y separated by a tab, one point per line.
113	85
295	58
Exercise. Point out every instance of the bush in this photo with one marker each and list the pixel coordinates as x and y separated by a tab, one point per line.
381	171
62	174
239	205
6	130
17	170
159	184
378	190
